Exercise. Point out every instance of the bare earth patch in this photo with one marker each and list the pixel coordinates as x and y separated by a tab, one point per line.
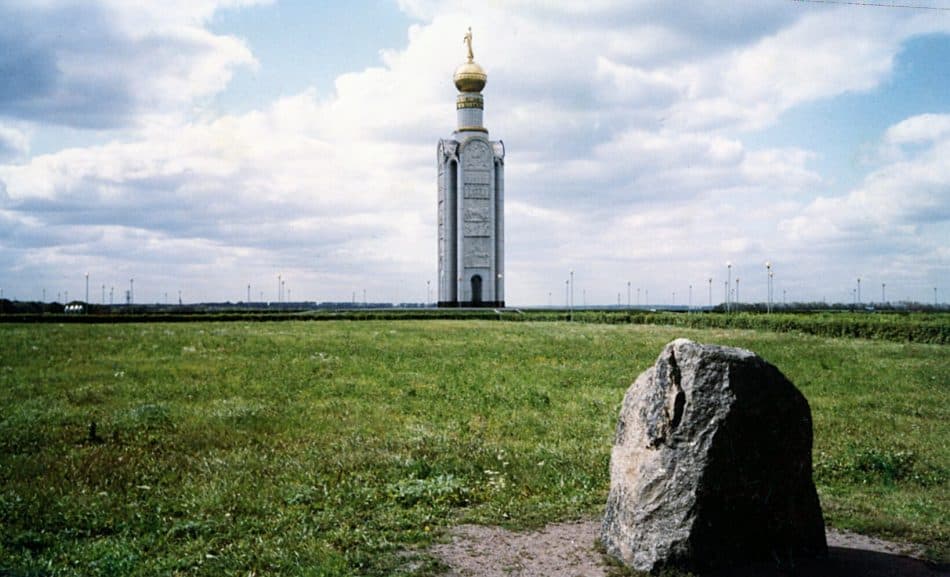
568	550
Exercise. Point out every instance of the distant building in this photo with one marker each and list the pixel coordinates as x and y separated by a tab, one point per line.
471	201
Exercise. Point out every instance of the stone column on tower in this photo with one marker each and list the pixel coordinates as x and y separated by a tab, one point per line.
471	201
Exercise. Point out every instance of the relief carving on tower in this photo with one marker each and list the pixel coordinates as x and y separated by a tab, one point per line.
477	213
477	219
476	177
477	229
477	253
477	155
477	190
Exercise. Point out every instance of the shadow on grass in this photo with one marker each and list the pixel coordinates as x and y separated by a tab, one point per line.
842	562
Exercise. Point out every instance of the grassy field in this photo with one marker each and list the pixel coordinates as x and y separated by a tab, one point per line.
343	448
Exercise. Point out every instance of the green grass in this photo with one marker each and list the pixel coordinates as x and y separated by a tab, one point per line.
343	448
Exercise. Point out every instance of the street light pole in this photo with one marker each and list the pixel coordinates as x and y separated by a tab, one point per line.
572	294
710	293
859	290
728	282
87	290
768	287
628	294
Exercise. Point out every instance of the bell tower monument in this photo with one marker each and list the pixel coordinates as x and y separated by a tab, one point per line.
471	200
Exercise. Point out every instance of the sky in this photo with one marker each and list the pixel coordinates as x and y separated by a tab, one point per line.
216	148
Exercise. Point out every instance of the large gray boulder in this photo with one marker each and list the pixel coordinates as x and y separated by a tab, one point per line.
711	464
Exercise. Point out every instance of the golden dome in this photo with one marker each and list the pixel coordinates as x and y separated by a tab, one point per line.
470	77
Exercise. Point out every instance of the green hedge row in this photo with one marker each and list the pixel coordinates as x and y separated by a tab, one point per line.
913	327
919	328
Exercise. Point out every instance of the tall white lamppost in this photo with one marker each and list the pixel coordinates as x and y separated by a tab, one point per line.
737	294
689	303
710	293
768	287
428	292
646	297
728	282
572	294
859	290
674	299
883	299
638	296
103	300
87	289
567	293
628	294
248	292
278	287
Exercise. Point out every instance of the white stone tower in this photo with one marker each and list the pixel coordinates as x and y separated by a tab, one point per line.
471	201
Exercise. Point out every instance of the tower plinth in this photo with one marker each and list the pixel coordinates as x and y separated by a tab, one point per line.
471	200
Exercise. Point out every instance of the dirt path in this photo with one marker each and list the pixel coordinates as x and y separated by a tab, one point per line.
567	550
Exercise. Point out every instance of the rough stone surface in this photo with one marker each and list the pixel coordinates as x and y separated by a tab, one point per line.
711	464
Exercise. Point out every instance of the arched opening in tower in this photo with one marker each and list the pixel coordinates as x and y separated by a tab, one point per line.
476	290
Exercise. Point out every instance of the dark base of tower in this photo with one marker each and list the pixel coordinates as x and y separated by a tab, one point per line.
471	305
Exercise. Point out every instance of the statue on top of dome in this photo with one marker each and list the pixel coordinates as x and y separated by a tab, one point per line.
467	39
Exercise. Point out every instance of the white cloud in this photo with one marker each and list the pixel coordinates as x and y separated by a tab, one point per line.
14	143
108	64
900	215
